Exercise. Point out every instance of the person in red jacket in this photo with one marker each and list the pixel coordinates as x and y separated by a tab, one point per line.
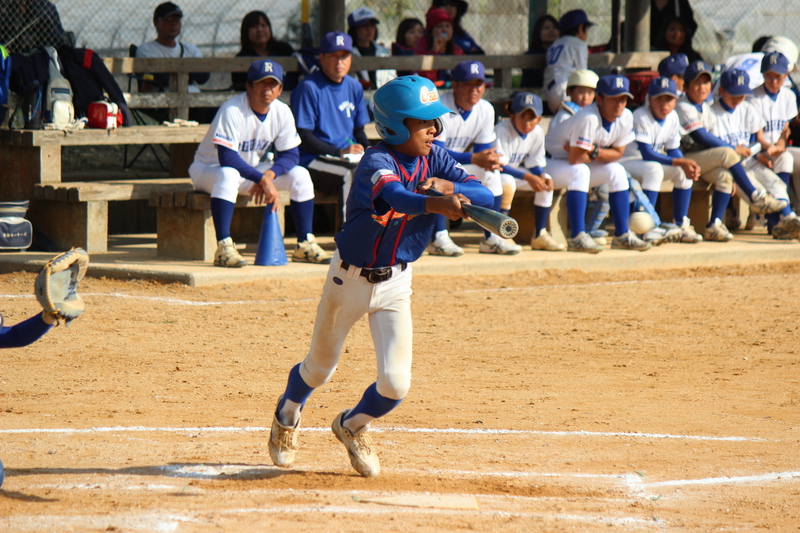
438	40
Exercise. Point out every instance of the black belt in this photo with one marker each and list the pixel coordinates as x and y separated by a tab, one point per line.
376	275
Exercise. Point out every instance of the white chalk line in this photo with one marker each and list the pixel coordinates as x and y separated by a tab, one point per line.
625	282
455	431
727	480
176	301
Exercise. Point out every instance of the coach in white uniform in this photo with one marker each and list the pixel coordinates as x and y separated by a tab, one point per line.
231	160
586	153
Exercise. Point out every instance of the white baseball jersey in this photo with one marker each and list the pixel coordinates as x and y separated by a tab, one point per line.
565	55
526	152
558	129
661	135
237	127
459	133
776	113
737	126
587	128
692	117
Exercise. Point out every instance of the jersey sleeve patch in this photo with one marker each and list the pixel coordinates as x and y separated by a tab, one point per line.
381	178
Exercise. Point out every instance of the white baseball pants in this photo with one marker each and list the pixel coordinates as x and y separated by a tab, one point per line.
582	177
651	174
226	183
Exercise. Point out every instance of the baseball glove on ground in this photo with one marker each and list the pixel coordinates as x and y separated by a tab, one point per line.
56	285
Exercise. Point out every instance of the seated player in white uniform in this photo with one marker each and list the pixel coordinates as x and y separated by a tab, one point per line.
567	54
471	124
719	163
585	152
656	155
777	105
739	124
231	161
673	67
520	140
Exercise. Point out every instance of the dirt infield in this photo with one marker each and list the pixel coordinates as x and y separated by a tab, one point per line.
552	401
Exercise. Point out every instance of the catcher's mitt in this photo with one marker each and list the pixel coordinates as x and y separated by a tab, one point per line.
56	285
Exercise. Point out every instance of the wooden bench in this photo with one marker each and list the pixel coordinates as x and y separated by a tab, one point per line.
76	213
186	229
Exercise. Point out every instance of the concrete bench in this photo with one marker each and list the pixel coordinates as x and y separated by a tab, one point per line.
186	229
76	213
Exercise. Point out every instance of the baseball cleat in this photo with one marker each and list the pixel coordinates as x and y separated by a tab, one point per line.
227	256
688	234
718	232
359	447
582	242
764	202
283	441
498	245
546	242
629	241
787	229
309	251
442	244
660	235
599	236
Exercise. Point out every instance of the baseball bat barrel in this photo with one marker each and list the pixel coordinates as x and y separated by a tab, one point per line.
488	219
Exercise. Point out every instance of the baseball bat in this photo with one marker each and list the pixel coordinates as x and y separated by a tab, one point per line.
488	219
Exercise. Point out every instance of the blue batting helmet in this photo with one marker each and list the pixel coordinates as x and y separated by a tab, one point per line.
406	97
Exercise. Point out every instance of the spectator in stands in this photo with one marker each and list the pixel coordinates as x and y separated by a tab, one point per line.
29	24
363	29
662	12
168	20
438	40
330	111
409	32
457	9
545	31
257	40
676	38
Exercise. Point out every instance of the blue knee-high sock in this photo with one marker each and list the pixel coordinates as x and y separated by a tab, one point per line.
296	388
681	198
719	202
505	211
439	224
496	207
652	196
576	211
620	211
303	216
785	177
222	213
741	179
540	215
373	404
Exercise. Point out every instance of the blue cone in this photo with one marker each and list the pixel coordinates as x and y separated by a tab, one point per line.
270	244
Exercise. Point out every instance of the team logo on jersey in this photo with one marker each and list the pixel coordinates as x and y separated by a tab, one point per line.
347	107
428	96
384	220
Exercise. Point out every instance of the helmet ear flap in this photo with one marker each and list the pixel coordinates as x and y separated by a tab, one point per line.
439	126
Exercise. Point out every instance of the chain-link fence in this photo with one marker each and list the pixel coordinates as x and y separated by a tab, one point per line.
725	27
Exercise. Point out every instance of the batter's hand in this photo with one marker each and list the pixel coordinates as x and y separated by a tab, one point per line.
449	206
437	184
264	192
487	159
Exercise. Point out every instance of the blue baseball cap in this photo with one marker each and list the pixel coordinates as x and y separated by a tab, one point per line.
469	70
661	86
263	69
775	62
695	69
614	85
573	19
735	82
360	16
674	65
336	41
520	101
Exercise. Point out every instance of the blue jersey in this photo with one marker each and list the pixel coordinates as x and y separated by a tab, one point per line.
331	110
376	235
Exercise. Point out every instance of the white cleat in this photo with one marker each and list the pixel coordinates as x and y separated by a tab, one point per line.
497	245
442	244
227	256
545	241
359	447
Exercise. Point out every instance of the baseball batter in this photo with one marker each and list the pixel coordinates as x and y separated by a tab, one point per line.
388	226
231	161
